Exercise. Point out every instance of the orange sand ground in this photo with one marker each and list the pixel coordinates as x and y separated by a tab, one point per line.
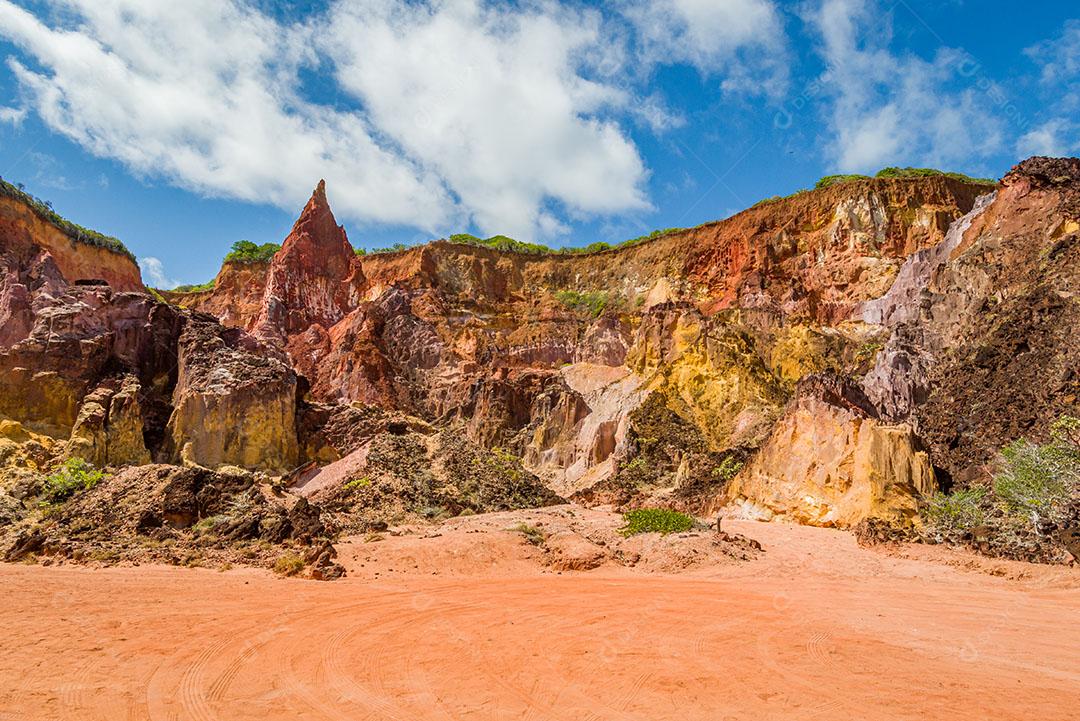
817	628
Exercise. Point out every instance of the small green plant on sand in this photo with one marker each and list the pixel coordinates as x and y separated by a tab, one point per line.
288	564
655	520
532	534
358	483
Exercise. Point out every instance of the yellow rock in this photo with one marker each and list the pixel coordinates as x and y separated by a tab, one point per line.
825	465
109	428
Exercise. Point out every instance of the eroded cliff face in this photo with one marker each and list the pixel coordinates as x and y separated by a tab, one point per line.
29	241
984	345
686	370
549	356
831	461
118	378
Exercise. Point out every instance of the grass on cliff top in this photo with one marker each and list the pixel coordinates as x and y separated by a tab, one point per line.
242	252
507	244
891	172
194	288
655	520
44	210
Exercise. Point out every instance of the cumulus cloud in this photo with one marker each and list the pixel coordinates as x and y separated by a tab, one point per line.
453	111
1058	60
434	114
744	39
890	108
204	93
153	270
1059	57
495	100
12	115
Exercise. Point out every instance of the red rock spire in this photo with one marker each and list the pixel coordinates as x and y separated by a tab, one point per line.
311	278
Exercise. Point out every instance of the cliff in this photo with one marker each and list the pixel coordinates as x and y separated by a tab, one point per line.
712	367
25	232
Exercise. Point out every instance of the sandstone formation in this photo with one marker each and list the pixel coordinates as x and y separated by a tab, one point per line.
830	461
35	242
234	402
824	358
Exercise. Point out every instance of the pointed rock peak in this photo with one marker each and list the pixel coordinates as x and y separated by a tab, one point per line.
317	220
318	202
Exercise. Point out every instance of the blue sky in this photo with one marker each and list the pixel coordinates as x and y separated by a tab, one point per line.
183	127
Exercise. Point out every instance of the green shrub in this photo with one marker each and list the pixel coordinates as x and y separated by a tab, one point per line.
597	247
244	251
395	248
288	564
828	180
358	483
501	242
778	198
592	303
532	534
504	243
655	520
72	476
1034	487
197	288
44	210
727	469
650	236
958	511
893	172
1039	481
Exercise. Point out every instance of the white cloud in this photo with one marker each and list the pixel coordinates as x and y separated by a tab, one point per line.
153	271
1060	56
495	101
742	38
12	115
888	108
466	112
1058	59
204	93
1056	137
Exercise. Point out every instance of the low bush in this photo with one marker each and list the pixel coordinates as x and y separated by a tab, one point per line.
655	520
532	534
196	288
288	564
1034	496
828	180
72	476
1039	482
395	248
727	469
893	172
592	303
959	511
244	251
